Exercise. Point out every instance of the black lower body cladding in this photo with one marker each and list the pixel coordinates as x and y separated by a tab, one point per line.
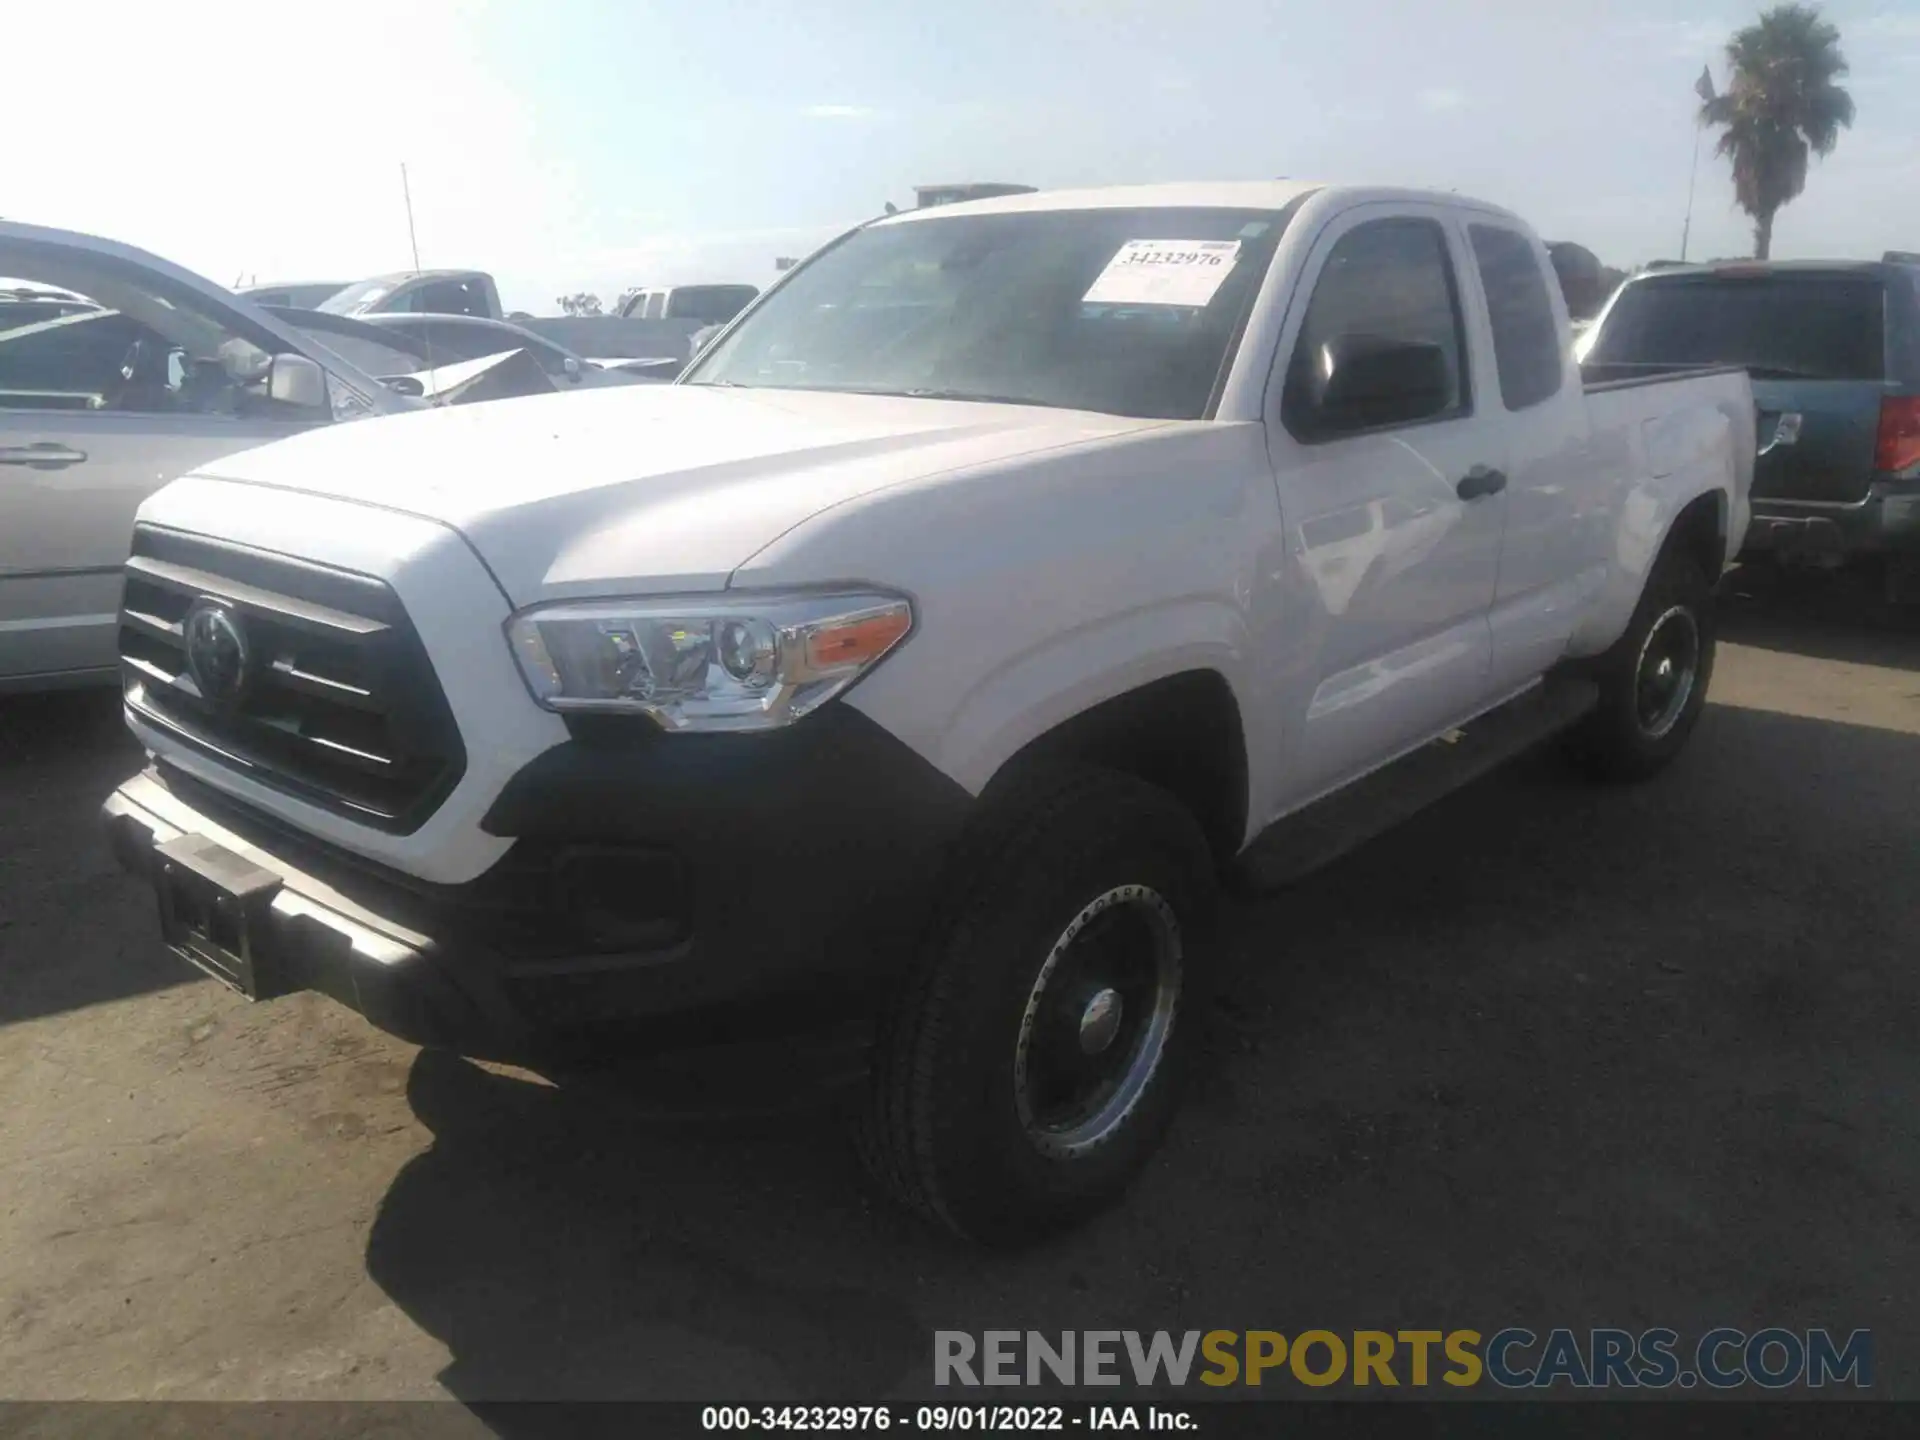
658	885
809	851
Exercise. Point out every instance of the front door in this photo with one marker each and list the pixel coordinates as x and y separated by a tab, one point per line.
1395	566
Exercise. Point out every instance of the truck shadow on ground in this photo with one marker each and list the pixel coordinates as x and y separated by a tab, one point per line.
1546	1055
60	891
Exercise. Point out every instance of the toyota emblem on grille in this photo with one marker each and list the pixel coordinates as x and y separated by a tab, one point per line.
217	652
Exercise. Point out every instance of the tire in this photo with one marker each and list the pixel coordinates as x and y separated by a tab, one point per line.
1634	732
970	1119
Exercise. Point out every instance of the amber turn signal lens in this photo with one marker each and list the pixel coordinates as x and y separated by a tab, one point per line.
858	641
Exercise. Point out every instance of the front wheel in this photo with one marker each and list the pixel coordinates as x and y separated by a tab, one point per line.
1031	1065
1653	682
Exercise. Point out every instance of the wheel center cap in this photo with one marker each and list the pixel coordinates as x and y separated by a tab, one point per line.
1100	1021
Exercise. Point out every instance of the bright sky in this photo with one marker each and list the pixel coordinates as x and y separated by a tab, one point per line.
596	144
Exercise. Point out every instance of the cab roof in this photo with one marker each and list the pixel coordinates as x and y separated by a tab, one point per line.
1228	195
1188	195
401	276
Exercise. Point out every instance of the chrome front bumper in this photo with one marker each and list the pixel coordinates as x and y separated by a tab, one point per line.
142	815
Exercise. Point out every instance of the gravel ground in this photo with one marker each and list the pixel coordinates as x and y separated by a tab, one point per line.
1548	1055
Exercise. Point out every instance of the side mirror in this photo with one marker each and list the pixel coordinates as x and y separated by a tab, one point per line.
572	368
1355	382
297	381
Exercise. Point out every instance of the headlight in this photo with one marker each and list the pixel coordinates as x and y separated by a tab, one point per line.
725	662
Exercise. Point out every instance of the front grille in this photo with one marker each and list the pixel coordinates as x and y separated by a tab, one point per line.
338	704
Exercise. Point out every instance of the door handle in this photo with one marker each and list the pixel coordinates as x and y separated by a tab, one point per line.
1480	482
42	455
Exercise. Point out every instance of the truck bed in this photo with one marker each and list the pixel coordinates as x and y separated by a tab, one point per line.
1598	378
1662	421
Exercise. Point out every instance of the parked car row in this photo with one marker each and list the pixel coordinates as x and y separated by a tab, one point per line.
657	324
474	293
383	343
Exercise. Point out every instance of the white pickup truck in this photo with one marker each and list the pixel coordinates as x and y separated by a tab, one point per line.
993	585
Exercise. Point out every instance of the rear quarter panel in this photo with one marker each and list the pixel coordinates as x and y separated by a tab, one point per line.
1666	443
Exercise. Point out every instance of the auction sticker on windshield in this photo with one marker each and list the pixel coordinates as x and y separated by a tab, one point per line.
1164	272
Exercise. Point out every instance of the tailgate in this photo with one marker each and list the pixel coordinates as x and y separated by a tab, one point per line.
1832	460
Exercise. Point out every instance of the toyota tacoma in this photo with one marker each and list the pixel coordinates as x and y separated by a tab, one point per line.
989	591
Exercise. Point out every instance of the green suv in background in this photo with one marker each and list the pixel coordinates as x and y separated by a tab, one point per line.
1836	343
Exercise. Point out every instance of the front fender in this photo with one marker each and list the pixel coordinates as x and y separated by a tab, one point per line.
1071	672
1049	584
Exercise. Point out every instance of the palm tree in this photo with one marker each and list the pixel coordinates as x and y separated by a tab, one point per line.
1781	103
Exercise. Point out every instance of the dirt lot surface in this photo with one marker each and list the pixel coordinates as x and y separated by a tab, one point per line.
1548	1055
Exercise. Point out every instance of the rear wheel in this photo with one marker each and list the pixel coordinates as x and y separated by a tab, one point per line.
1653	682
1031	1065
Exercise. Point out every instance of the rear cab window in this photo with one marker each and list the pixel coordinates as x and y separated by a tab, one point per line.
1526	338
1780	325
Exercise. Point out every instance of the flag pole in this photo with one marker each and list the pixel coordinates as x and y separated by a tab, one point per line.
1693	175
1703	87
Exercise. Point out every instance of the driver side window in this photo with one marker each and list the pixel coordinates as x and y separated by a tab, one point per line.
118	348
1385	280
72	361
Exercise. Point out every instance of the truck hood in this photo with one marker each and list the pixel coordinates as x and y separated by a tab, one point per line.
649	489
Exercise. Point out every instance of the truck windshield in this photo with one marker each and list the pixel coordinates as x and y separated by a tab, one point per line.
1126	312
1779	325
357	297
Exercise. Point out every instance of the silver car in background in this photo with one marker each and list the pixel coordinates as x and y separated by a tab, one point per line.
138	372
120	372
